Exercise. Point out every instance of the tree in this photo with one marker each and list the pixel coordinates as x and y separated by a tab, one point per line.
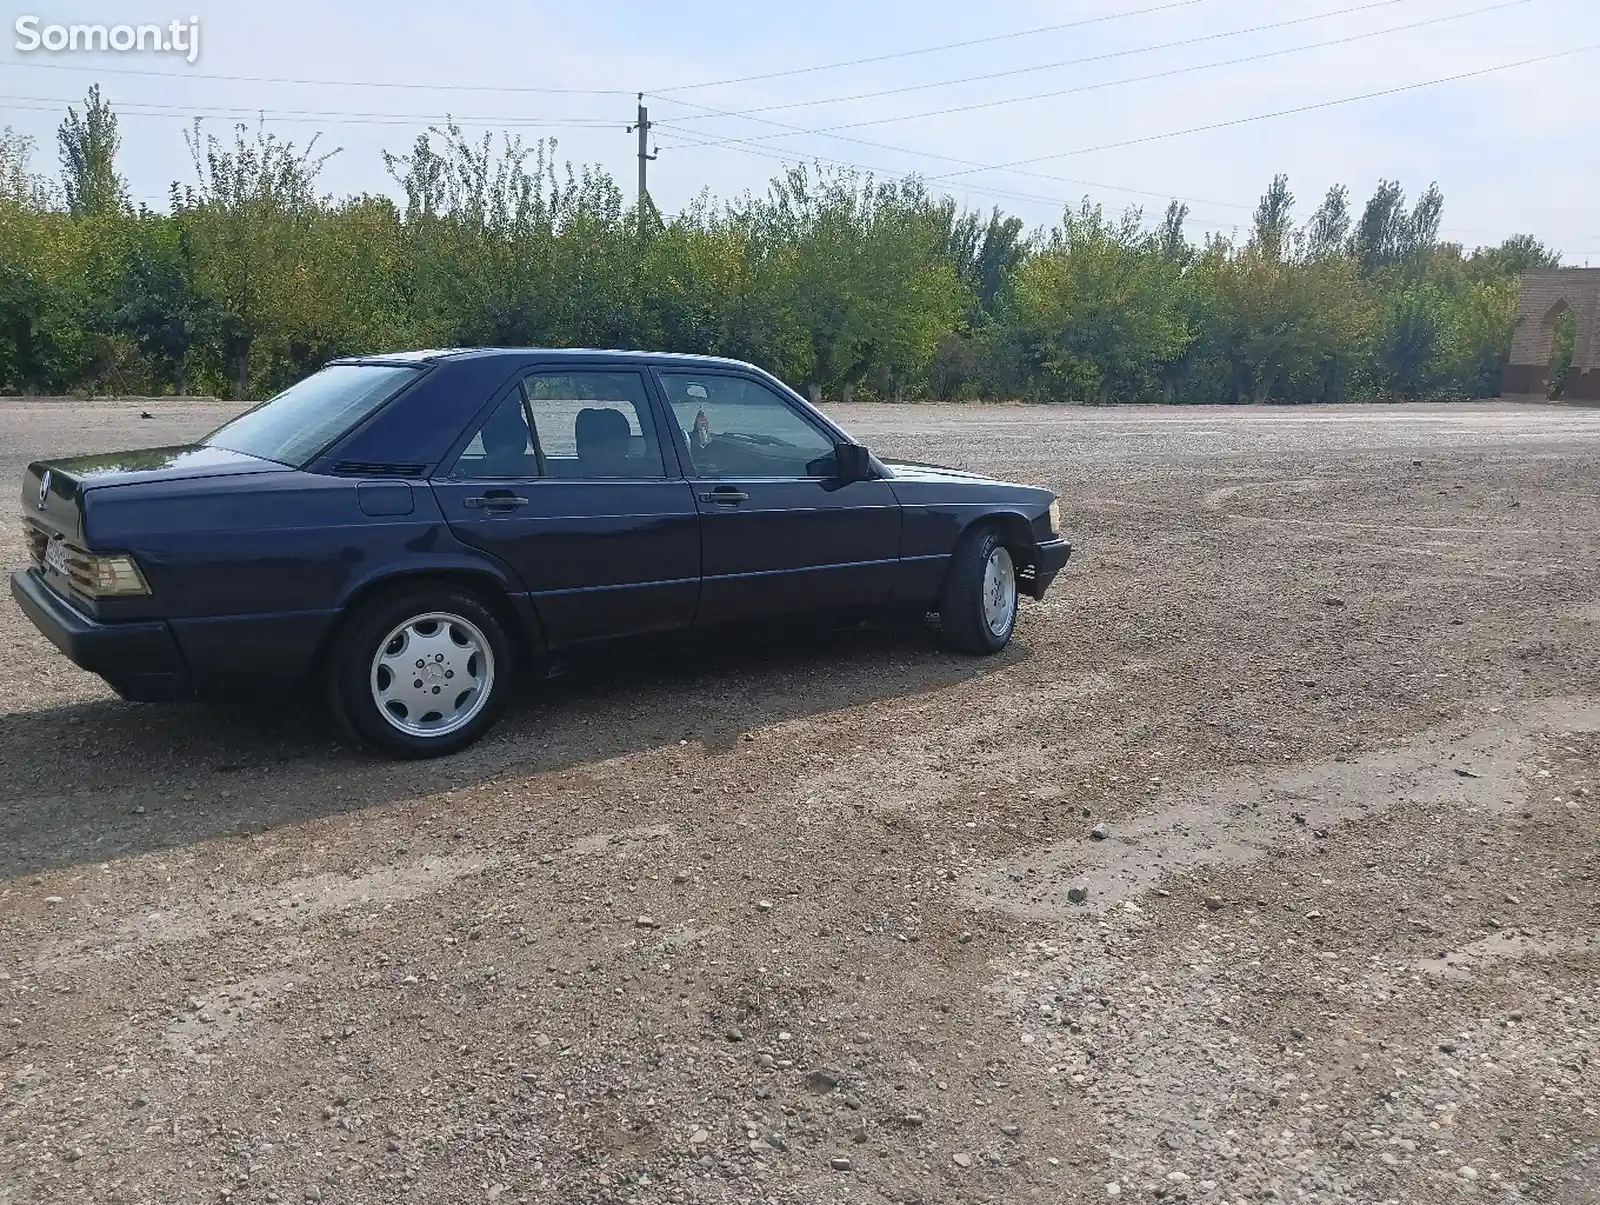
157	307
1271	227
1381	234
1098	301
247	220
19	185
1329	227
89	147
1172	237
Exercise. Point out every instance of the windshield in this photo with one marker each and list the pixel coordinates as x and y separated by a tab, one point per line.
305	418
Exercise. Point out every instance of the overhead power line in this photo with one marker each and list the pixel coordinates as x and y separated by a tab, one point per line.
831	131
186	112
316	83
906	54
1239	121
1093	58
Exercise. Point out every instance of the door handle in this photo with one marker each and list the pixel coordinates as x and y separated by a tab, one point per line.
495	500
725	495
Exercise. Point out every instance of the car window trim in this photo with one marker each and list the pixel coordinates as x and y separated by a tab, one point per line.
680	436
653	404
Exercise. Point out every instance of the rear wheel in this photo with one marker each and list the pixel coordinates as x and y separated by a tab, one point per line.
423	673
978	609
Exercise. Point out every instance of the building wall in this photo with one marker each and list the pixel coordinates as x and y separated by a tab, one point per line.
1542	298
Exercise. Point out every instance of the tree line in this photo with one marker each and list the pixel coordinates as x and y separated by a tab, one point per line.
843	285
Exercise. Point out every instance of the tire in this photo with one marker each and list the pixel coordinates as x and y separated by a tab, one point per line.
977	611
457	693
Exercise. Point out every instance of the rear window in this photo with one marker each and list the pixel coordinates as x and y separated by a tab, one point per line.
305	418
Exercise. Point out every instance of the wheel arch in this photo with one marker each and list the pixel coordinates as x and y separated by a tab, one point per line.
1016	533
515	611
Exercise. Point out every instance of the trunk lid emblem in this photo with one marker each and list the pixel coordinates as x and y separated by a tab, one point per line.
44	490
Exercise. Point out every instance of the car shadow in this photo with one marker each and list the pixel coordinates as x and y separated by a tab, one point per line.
96	780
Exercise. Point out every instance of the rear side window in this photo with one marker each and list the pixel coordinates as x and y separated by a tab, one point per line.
593	424
305	418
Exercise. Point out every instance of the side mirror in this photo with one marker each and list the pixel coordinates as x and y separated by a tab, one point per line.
852	462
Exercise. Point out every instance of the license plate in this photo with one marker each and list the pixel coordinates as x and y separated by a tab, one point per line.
55	556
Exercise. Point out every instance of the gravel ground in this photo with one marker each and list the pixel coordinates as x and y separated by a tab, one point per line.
1265	865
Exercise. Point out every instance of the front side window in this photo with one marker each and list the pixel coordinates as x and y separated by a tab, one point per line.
739	428
306	417
593	424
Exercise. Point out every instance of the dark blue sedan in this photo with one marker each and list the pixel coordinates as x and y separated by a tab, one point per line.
416	531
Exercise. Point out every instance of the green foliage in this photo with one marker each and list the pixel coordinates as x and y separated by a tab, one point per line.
1098	303
844	285
89	147
1563	347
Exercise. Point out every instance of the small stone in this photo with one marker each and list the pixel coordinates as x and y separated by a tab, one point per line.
1467	1173
766	1062
681	877
859	1134
1333	602
1113	1189
542	1041
138	809
1177	1177
74	1154
1077	895
409	979
839	1163
1100	832
1010	1131
962	1159
824	1079
1214	902
645	922
52	899
1313	915
140	1102
392	1146
764	905
912	1119
964	938
735	1034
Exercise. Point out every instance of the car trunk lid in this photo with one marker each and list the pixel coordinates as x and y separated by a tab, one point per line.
53	491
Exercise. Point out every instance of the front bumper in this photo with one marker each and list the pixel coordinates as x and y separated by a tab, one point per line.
139	658
1049	559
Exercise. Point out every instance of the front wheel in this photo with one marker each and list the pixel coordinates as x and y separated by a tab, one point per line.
978	609
423	673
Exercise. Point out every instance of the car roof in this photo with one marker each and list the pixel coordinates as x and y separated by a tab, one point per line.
575	355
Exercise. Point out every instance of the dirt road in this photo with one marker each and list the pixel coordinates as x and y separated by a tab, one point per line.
793	924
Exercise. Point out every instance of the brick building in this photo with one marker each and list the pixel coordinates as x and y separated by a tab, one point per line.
1545	297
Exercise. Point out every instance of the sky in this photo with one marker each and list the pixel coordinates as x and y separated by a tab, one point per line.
1108	100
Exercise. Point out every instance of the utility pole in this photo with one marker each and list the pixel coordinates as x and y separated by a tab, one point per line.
643	126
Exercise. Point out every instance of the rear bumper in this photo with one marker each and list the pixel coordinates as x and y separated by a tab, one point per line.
1049	559
140	658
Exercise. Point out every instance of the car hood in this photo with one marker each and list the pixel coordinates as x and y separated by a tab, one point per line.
184	462
912	470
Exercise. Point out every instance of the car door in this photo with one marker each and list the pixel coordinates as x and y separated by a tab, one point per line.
779	532
568	481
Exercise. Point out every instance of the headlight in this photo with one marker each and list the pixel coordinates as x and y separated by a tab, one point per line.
104	575
1055	518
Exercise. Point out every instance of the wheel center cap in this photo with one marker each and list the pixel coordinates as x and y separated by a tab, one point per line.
433	673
